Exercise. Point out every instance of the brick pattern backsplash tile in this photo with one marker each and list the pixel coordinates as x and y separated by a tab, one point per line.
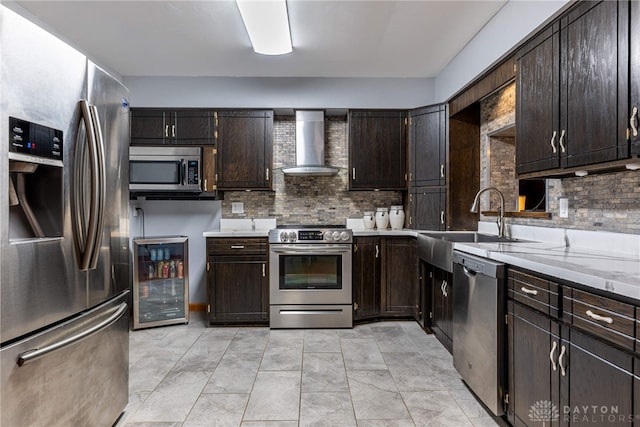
607	202
309	199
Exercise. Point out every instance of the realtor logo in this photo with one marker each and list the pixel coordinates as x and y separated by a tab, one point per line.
544	411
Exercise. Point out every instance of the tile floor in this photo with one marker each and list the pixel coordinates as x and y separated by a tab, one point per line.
378	374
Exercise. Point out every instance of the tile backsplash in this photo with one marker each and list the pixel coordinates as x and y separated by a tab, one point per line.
607	202
310	199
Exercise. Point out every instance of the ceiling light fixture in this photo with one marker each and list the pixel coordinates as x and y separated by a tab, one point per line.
267	23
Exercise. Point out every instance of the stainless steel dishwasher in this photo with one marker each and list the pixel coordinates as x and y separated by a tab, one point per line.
478	326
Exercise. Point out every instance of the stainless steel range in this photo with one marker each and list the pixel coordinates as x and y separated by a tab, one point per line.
310	277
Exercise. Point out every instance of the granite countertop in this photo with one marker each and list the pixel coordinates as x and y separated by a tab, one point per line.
618	273
594	261
265	233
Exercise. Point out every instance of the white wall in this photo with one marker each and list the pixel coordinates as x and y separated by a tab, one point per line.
279	93
187	218
512	24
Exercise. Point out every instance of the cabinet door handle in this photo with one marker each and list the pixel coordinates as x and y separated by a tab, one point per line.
563	370
553	142
377	251
594	316
442	287
442	217
445	285
206	187
166	131
267	174
552	355
353	173
237	246
632	121
562	142
264	270
529	291
173	131
441	171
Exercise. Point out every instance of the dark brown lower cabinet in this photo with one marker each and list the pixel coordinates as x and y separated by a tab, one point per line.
533	382
596	382
366	278
399	277
561	376
439	285
385	278
238	283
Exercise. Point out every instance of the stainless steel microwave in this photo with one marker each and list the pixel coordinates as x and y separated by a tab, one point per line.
165	169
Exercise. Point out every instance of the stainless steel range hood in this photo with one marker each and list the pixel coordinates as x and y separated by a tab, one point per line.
310	146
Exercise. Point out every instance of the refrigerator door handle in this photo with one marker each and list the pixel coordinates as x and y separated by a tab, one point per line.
34	354
88	231
101	186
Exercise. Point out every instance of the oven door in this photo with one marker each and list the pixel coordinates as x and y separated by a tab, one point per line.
310	274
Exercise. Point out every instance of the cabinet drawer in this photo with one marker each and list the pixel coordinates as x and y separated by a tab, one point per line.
535	292
236	246
608	319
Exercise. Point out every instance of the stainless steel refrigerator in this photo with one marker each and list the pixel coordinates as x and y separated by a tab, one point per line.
64	233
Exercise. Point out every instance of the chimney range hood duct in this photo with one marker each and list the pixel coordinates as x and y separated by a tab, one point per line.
310	146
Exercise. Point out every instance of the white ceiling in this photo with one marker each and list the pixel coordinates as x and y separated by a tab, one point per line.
331	38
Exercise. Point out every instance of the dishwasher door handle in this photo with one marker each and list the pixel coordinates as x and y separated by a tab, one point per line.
469	273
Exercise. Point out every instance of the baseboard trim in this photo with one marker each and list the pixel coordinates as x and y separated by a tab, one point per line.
197	307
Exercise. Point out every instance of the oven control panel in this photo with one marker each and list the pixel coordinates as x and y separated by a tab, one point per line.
310	236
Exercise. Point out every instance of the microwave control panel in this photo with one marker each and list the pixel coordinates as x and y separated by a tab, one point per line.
193	172
35	140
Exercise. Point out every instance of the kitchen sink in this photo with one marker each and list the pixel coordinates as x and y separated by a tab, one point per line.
436	247
467	236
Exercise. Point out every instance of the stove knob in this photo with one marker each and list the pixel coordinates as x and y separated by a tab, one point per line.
344	235
293	236
328	236
283	236
336	235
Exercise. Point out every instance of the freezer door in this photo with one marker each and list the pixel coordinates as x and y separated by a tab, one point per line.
75	374
41	80
110	98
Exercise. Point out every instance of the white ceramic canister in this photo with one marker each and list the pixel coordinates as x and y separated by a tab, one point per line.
369	220
396	217
382	218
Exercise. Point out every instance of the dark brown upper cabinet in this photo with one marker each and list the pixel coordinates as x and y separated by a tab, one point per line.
572	85
377	149
428	146
427	207
634	79
152	126
244	143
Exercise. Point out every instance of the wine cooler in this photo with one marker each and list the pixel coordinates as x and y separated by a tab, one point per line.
160	281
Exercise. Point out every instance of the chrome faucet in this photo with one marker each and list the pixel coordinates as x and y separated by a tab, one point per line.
475	208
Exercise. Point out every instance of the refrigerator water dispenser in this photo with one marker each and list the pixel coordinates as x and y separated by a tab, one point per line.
36	198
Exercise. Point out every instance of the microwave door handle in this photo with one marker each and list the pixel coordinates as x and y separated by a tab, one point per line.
184	172
100	186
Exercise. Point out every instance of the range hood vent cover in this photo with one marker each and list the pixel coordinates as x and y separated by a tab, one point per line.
310	146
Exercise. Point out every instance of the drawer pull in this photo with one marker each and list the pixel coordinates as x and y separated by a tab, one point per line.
563	370
551	355
529	291
237	246
594	316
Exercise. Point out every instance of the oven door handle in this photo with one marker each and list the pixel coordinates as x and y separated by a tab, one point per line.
311	249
